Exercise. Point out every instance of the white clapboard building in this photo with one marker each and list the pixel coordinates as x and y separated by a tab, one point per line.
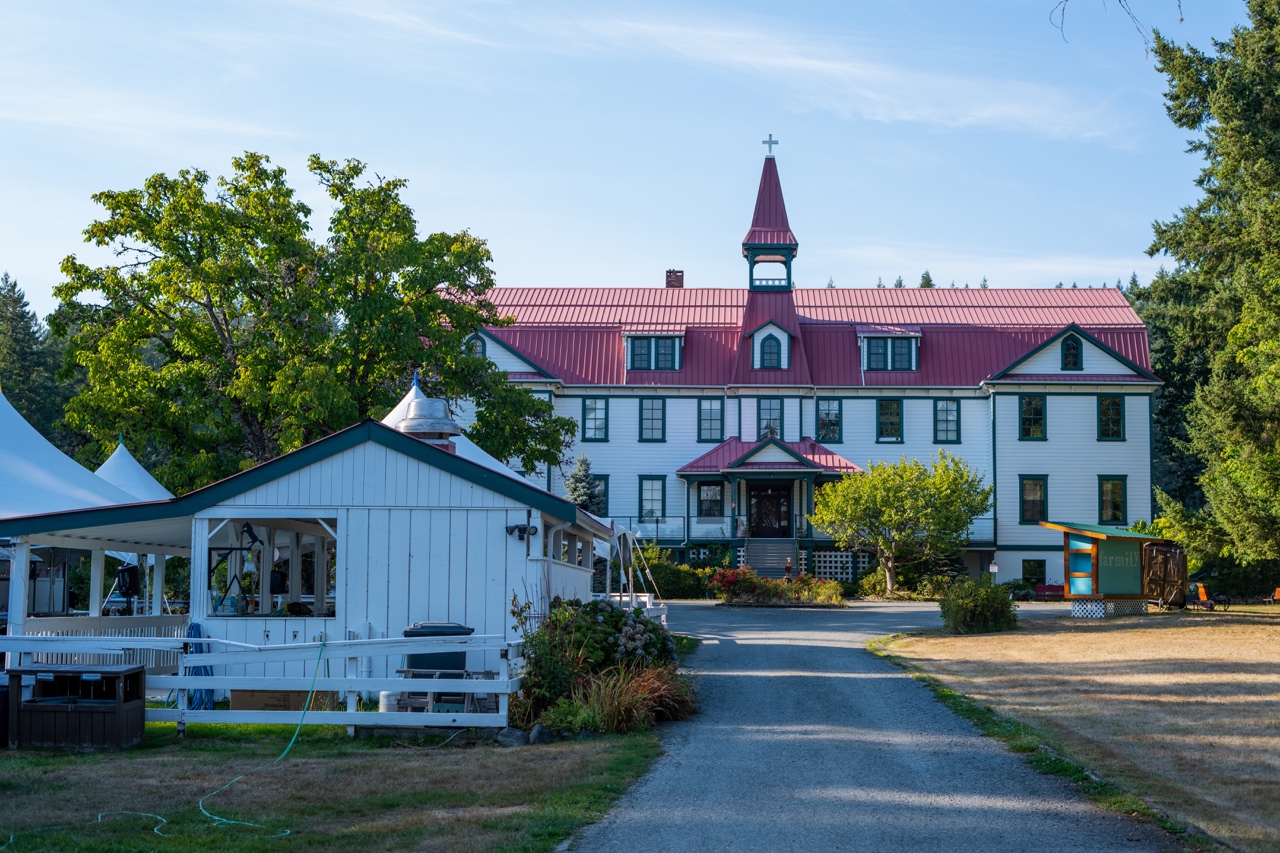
711	414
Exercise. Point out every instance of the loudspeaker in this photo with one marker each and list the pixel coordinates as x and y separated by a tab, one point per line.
128	581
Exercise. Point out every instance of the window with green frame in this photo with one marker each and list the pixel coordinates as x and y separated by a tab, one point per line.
711	419
1112	499
595	418
653	497
641	349
653	419
1072	353
664	353
1033	498
1033	571
901	353
877	353
1031	418
889	421
710	500
603	480
830	421
1111	418
768	418
477	345
770	353
946	421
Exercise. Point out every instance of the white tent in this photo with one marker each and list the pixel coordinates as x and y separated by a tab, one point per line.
124	472
37	478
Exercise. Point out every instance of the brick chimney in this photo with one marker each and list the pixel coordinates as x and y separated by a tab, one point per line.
675	278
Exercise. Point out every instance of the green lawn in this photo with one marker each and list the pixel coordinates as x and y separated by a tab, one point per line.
330	793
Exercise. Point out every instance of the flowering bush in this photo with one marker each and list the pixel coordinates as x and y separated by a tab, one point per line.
577	640
743	586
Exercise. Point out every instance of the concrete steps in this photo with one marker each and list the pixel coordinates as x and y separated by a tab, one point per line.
768	557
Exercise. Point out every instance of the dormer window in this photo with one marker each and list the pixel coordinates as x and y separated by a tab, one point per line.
770	348
1072	353
654	353
476	344
890	353
770	353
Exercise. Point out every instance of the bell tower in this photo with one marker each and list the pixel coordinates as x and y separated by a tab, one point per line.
769	240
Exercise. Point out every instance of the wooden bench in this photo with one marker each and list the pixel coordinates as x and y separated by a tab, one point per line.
1049	592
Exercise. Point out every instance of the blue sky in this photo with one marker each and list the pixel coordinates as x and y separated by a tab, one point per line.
600	144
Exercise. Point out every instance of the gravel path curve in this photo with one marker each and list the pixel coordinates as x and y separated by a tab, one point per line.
808	742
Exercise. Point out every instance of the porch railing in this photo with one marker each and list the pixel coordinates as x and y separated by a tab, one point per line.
652	526
157	661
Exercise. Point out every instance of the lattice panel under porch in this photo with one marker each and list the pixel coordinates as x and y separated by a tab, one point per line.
1127	607
1088	609
843	566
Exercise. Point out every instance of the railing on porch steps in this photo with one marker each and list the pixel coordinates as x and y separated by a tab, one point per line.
504	681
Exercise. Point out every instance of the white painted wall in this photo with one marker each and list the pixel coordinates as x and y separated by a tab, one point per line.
504	358
1072	458
1095	361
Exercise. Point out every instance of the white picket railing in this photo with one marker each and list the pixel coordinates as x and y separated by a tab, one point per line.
156	661
501	682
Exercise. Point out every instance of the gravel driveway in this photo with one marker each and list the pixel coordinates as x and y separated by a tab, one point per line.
808	742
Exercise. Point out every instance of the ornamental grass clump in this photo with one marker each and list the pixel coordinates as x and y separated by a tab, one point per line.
598	666
744	586
977	607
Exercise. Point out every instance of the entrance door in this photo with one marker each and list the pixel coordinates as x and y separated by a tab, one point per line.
770	511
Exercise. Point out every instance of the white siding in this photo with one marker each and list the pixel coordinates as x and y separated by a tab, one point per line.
860	446
771	453
504	358
1010	563
791	426
369	475
1095	361
783	338
1072	458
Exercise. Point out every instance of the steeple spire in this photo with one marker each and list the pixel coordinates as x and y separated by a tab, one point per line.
769	240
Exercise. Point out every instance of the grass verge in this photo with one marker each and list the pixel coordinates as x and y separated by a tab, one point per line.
685	646
331	793
1033	745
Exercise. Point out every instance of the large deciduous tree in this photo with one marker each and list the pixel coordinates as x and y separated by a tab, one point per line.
907	513
225	334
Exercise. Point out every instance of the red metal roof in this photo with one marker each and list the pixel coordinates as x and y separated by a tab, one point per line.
724	455
967	336
769	226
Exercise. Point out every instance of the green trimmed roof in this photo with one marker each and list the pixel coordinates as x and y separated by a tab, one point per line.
1100	531
332	445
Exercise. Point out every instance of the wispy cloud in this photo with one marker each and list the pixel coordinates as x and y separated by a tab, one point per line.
821	75
887	259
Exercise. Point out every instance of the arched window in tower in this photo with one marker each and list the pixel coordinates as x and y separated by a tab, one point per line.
1072	355
476	344
770	353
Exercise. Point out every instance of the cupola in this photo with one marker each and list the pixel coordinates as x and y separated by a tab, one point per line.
769	240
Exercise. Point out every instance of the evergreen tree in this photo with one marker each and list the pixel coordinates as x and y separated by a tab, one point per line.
879	282
29	360
982	285
899	283
1215	320
582	488
926	280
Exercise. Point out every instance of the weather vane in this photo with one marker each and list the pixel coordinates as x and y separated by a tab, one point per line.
770	142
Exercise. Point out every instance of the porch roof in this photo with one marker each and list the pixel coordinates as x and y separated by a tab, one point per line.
805	455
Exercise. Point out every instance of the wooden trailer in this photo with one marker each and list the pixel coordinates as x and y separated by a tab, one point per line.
1111	571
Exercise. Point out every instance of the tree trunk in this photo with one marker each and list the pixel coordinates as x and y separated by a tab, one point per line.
890	577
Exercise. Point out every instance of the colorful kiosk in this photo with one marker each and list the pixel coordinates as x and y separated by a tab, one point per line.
1110	571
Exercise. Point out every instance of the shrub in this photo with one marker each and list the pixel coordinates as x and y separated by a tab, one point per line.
874	584
935	586
577	640
712	555
680	581
745	586
977	607
623	698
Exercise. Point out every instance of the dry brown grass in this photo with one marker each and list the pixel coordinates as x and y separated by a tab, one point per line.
1181	708
332	794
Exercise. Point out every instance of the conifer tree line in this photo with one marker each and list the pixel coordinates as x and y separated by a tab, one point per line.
1214	318
30	358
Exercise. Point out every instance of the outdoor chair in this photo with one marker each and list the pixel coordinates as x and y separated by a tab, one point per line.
1272	598
1200	599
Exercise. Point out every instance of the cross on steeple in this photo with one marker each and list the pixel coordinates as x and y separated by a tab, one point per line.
770	142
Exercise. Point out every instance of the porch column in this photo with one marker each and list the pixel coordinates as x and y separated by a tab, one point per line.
97	568
19	570
140	600
157	585
199	581
294	542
